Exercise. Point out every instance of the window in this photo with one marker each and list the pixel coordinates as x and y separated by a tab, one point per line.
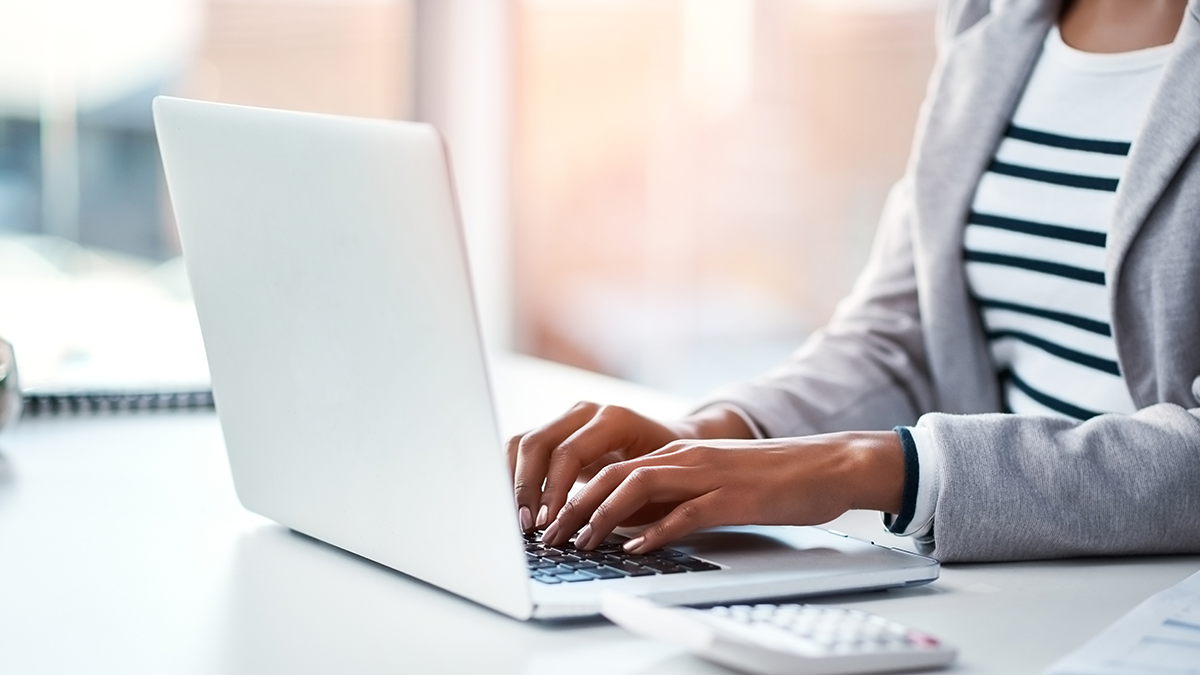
696	182
671	191
91	291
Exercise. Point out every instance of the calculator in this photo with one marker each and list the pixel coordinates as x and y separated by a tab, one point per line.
783	639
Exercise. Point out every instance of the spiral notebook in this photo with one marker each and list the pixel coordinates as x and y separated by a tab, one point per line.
133	357
96	331
155	377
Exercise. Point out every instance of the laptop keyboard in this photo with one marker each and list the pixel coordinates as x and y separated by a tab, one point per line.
566	564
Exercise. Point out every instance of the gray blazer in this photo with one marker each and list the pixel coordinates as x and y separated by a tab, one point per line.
908	342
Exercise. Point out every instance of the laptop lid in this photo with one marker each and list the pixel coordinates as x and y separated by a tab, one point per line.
330	279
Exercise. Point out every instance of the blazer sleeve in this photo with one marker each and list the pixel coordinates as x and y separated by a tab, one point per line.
867	368
1020	487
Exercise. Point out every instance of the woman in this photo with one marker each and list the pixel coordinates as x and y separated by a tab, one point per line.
1028	323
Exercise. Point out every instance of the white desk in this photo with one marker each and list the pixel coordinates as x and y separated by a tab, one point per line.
124	550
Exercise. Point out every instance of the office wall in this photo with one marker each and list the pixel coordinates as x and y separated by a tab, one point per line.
348	57
695	184
673	191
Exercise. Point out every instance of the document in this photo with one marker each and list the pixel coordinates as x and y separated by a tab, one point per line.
83	322
1160	636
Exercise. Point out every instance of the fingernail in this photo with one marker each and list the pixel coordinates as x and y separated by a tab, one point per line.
526	518
581	539
632	545
543	515
550	533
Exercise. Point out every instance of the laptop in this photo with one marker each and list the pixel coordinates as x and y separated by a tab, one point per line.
330	278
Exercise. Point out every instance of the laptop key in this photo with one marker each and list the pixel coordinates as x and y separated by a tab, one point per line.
694	565
663	567
547	578
569	563
604	573
574	576
632	569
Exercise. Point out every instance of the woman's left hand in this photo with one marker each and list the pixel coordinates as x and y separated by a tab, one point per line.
693	484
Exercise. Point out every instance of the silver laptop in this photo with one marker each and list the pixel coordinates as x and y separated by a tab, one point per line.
329	273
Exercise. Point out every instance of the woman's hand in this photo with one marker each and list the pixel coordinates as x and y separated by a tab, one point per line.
546	462
788	481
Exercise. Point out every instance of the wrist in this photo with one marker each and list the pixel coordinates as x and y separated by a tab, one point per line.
713	422
877	470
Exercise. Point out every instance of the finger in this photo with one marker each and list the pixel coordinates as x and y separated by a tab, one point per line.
510	450
703	511
524	515
622	489
533	457
649	513
643	486
579	509
612	429
636	442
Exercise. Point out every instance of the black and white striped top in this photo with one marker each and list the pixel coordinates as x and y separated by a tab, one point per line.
1034	245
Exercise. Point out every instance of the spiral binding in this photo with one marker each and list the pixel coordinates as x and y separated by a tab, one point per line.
92	402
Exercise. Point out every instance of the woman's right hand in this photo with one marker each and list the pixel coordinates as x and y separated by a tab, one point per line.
547	461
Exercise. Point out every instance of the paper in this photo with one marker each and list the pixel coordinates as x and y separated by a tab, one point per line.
83	321
1160	636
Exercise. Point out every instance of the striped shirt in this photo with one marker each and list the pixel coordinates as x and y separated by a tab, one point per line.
1035	239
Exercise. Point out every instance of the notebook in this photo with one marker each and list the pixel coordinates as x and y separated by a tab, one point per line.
97	331
328	268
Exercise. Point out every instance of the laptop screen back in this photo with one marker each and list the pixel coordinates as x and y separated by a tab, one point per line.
330	279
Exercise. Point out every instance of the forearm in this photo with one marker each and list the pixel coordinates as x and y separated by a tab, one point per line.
872	471
714	422
877	480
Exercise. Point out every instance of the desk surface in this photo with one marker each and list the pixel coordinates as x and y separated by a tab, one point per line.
123	549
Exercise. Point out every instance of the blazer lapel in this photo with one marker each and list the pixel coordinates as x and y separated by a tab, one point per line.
1168	135
983	73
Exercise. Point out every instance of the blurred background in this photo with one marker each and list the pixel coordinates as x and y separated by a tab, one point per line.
675	192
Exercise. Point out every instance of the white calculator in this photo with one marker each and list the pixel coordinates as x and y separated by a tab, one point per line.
783	639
